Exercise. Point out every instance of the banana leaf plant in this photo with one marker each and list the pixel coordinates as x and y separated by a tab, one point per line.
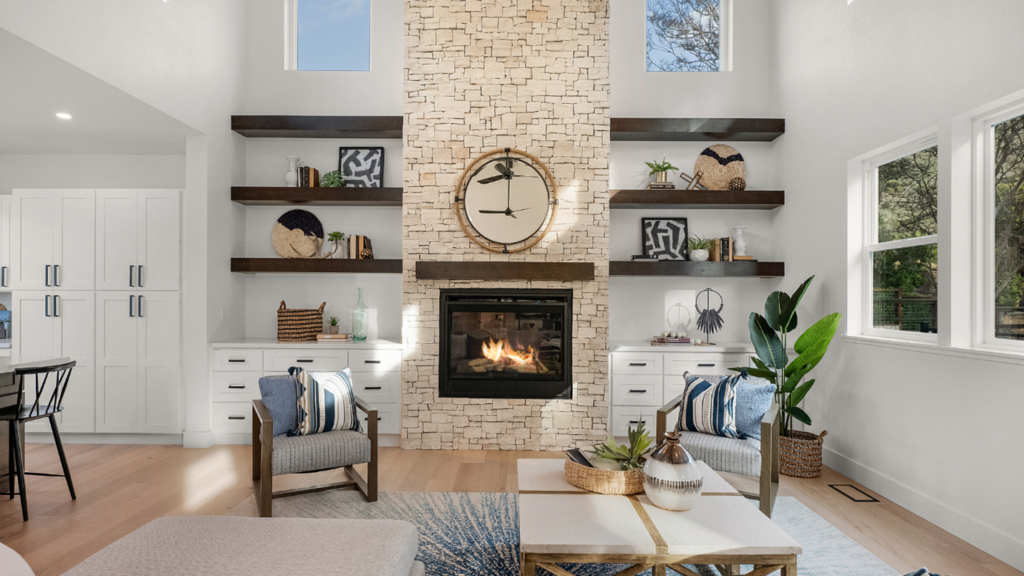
770	335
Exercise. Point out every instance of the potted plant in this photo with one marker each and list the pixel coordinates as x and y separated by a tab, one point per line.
660	169
628	457
624	471
340	250
698	248
332	179
799	452
332	327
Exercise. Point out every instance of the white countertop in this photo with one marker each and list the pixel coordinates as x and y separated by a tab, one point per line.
645	346
342	344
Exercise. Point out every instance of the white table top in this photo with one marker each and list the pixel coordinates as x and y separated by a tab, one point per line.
548	475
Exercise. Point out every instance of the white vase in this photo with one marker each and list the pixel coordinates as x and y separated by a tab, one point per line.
291	177
698	255
739	245
672	478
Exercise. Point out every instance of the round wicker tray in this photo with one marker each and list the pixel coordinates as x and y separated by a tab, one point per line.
604	481
800	454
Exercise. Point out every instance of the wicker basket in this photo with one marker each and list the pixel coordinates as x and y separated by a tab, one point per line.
800	454
604	481
297	325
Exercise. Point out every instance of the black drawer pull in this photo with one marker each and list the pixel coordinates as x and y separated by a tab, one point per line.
371	361
236	417
634	421
372	387
305	360
236	360
236	386
638	363
705	365
638	391
379	418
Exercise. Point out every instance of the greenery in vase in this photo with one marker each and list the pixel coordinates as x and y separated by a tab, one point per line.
663	166
697	243
770	337
332	179
334	321
629	457
336	236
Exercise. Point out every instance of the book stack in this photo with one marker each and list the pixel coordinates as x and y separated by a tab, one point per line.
671	340
332	337
309	177
661	186
721	250
359	248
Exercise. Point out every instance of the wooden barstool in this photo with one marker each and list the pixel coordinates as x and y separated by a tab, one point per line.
39	377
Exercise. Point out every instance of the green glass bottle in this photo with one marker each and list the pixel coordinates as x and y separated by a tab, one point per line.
360	318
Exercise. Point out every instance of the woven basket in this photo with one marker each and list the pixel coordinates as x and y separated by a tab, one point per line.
298	325
604	481
800	454
297	234
714	174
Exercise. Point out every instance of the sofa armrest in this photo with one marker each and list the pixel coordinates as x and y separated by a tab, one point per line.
662	421
260	413
371	418
771	426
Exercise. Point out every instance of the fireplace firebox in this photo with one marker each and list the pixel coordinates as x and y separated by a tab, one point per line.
514	343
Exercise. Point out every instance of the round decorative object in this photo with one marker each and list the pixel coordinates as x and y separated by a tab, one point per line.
709	320
698	255
506	200
672	478
718	166
737	184
297	234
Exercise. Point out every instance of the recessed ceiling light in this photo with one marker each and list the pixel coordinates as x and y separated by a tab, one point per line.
63	115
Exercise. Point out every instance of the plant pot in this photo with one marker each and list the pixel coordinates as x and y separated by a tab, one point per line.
800	454
661	176
332	329
698	255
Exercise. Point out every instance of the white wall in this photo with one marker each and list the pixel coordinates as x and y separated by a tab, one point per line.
905	422
90	171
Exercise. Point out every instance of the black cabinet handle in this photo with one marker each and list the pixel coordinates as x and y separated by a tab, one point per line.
131	275
47	274
637	391
56	310
304	360
3	276
140	305
131	306
705	365
634	421
372	387
638	363
236	417
371	361
379	418
47	306
140	276
236	360
236	386
56	271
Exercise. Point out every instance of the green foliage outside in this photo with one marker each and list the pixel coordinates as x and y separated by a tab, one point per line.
1009	212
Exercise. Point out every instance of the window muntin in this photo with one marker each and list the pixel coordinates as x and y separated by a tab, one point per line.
684	35
332	35
1005	165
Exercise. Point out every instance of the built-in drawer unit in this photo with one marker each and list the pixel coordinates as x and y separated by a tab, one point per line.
375	360
704	365
625	416
637	391
232	417
637	363
240	359
378	387
311	359
236	386
388	417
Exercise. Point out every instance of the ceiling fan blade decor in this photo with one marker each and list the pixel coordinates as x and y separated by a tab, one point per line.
503	169
492	179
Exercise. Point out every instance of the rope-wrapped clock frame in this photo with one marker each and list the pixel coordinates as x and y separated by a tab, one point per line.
460	203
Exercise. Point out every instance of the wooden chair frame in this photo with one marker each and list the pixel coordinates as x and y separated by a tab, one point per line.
263	449
770	429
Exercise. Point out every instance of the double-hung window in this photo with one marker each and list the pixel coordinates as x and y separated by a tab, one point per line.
901	243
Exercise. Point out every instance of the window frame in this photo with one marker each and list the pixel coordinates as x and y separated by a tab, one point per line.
725	48
871	244
291	39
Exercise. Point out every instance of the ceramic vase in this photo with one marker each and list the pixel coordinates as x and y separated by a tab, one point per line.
291	177
672	478
340	251
698	255
360	318
740	243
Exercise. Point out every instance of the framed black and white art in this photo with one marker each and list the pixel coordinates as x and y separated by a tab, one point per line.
362	167
665	238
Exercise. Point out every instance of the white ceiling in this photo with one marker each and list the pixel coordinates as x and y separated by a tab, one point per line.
35	85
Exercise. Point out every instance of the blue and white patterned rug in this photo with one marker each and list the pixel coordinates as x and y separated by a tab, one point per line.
463	534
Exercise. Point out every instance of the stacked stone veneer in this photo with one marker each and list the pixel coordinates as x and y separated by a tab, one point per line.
486	74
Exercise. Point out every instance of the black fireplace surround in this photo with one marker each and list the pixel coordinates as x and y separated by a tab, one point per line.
506	343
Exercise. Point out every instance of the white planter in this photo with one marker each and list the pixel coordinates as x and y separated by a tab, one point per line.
291	177
698	255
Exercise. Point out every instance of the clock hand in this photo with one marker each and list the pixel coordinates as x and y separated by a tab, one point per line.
508	200
491	211
520	210
491	179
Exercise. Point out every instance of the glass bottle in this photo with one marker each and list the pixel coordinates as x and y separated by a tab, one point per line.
360	318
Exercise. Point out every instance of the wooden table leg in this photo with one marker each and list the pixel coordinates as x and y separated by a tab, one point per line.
528	567
659	570
789	569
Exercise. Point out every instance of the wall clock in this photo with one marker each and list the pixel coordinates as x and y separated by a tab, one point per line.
506	200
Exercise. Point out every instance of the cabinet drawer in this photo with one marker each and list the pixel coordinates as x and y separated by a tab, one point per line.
625	416
375	360
310	359
388	417
378	387
636	391
236	386
636	363
704	365
238	360
232	417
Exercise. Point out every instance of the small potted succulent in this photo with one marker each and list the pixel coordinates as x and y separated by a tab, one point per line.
332	179
660	169
332	327
699	248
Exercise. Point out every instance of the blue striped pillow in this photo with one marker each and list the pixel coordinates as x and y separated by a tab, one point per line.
326	401
708	408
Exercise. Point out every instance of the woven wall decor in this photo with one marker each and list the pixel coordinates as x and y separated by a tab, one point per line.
298	234
718	165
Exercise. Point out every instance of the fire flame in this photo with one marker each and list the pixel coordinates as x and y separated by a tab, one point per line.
502	352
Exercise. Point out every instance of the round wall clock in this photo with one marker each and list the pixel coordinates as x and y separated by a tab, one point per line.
506	200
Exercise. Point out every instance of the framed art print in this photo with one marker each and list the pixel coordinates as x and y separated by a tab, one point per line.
665	238
362	167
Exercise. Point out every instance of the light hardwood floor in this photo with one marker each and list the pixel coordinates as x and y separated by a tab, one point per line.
120	488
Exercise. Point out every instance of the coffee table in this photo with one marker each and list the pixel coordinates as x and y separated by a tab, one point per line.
559	524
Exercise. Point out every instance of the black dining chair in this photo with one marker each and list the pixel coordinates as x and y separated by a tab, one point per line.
49	382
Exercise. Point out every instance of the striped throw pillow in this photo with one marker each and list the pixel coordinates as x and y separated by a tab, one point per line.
709	408
326	401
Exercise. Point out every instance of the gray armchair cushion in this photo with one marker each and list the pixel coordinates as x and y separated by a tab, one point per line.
736	455
296	454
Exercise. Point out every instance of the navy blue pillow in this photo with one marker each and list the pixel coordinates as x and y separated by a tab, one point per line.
280	396
753	399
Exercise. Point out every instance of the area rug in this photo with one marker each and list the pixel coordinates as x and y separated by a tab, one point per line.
478	533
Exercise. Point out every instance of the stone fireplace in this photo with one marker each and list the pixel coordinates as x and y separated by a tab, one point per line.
482	75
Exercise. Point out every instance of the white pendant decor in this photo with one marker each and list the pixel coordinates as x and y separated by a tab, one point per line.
672	478
739	244
291	177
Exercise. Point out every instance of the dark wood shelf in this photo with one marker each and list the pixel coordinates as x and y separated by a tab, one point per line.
306	266
697	129
562	271
703	269
318	126
698	199
286	196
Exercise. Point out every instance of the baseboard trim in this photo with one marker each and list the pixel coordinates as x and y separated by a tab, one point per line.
66	438
971	530
198	439
246	439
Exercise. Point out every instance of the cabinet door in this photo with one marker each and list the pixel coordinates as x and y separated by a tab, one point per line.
33	338
32	239
75	314
5	241
117	350
117	239
74	237
159	350
159	244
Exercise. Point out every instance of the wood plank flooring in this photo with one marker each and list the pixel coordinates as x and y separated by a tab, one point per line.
120	488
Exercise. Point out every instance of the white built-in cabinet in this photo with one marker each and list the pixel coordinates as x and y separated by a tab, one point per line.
53	240
132	251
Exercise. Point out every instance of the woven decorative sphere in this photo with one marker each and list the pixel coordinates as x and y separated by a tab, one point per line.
719	165
737	184
297	234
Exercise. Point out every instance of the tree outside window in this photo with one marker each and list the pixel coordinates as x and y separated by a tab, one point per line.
683	35
1008	166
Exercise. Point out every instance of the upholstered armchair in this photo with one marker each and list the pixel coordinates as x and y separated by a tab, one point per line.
314	453
746	456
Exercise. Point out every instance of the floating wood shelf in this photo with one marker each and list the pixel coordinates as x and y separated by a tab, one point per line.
296	265
560	271
697	129
318	126
286	196
698	199
705	269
